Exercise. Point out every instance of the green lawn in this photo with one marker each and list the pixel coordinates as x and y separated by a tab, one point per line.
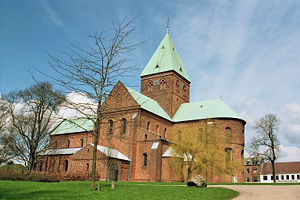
80	190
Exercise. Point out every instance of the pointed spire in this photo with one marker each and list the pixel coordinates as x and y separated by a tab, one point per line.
165	58
168	26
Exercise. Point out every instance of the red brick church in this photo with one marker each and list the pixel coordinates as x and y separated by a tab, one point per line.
133	140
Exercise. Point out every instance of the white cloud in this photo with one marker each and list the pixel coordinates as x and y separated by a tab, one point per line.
84	106
52	14
289	154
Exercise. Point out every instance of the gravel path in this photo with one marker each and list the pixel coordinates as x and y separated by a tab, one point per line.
264	192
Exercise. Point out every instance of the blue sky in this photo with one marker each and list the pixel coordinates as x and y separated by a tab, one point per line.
245	51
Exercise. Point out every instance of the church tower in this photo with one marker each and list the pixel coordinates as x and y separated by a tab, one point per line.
164	78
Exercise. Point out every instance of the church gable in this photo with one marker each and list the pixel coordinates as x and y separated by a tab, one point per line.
118	98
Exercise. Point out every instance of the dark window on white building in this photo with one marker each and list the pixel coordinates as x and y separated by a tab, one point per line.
265	178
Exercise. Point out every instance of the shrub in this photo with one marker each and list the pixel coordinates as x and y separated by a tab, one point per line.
21	176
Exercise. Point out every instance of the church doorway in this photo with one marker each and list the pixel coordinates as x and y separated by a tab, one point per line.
113	172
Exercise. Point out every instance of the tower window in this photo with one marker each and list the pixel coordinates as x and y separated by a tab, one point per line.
68	144
146	136
81	142
228	154
157	128
124	123
150	86
165	132
148	126
162	84
111	124
228	134
87	167
145	159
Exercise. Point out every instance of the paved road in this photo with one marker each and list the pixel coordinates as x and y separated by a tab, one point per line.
265	192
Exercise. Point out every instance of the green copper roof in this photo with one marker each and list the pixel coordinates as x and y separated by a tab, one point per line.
73	126
204	110
148	104
164	59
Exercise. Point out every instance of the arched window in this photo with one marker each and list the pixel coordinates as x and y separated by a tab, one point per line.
179	135
124	124
145	159
81	142
66	165
111	126
41	165
200	134
146	136
228	154
165	132
157	128
150	86
68	144
184	90
162	84
148	126
228	134
87	167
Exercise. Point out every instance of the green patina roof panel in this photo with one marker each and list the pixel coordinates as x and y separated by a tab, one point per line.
204	110
164	59
73	126
148	104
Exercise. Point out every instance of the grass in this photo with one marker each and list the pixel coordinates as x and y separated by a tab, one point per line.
123	190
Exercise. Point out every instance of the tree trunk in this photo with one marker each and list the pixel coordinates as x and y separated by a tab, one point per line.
96	133
273	170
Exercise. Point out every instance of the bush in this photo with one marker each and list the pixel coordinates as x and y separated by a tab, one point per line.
21	176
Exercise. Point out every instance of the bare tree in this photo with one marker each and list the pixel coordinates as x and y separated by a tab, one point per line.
266	144
95	70
30	113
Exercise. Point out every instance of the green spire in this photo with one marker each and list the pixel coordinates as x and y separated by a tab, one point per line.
164	59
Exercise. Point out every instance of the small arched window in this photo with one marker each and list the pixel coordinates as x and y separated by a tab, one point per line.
162	84
150	86
81	142
157	128
41	165
179	135
87	167
145	159
146	136
124	124
228	135
148	126
165	132
228	154
111	126
200	134
66	165
68	144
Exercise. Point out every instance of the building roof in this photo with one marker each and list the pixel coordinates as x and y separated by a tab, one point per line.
148	104
282	168
73	126
113	153
216	108
164	59
68	151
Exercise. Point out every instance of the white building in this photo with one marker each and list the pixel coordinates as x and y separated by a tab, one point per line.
286	172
